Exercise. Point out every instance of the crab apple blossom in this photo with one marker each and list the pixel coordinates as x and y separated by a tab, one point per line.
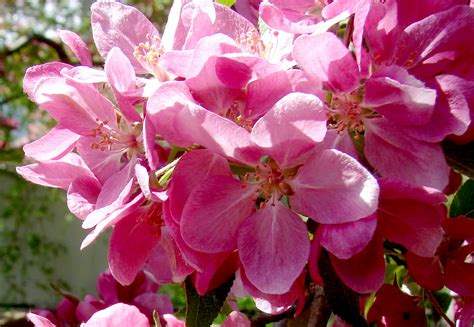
116	315
292	147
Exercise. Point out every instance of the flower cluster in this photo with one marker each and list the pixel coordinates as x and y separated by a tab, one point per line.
261	146
140	294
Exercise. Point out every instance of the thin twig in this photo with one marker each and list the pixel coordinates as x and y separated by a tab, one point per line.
439	309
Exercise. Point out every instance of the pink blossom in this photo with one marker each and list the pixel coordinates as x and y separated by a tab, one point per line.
116	315
381	107
297	119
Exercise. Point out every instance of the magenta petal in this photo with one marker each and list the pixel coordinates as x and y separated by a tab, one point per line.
118	315
291	128
273	239
166	262
452	111
118	25
263	93
115	192
54	145
274	17
172	321
189	173
235	319
132	241
82	196
365	271
400	97
106	218
78	107
459	274
77	45
425	38
35	73
396	155
411	216
39	321
119	71
182	122
345	240
325	58
333	188
58	173
426	271
210	91
232	74
213	227
149	302
84	75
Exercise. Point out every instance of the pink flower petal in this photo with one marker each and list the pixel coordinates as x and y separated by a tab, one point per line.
411	216
85	75
54	145
166	262
213	227
131	243
425	38
82	195
218	269
121	77
333	188
294	125
118	315
236	318
39	321
325	58
400	97
275	17
182	122
365	271
426	271
107	217
35	73
114	193
452	111
103	164
118	25
263	93
396	155
147	303
273	239
77	107
58	173
345	240
77	45
459	274
189	173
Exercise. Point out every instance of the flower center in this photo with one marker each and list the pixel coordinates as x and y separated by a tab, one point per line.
346	112
234	113
252	43
149	55
108	139
272	181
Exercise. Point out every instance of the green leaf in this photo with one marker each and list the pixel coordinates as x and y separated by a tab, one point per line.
228	3
202	310
463	201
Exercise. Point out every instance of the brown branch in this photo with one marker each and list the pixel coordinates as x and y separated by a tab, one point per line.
62	54
263	319
320	312
438	309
